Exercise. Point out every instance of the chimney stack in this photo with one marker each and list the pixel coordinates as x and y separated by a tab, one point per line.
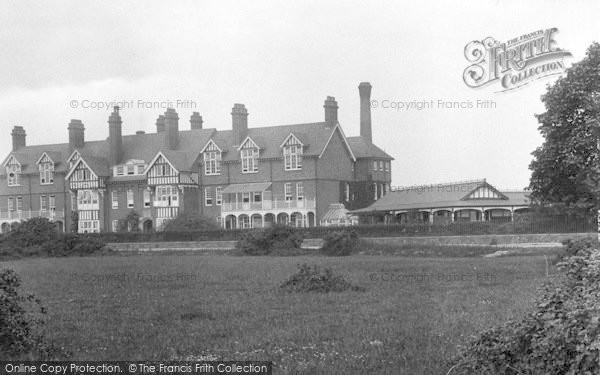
115	138
196	121
365	110
76	134
160	124
239	117
331	111
171	136
18	137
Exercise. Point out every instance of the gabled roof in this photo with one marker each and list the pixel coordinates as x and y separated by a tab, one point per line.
335	213
362	148
446	195
182	161
54	156
93	165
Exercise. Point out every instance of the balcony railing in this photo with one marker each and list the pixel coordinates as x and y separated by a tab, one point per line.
267	205
24	215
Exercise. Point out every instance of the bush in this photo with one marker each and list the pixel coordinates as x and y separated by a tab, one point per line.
342	242
190	223
60	245
278	239
562	335
312	279
33	232
21	322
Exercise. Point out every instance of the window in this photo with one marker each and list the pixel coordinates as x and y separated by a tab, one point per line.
292	156
87	200
52	203
43	203
375	191
250	160
115	225
288	191
163	169
11	204
130	170
212	163
347	191
88	226
381	165
46	173
167	196
219	196
374	165
130	201
140	169
257	196
73	201
115	199
146	198
120	170
19	203
13	172
208	199
299	191
246	197
387	166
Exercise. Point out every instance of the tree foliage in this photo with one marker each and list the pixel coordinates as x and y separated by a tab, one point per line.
565	169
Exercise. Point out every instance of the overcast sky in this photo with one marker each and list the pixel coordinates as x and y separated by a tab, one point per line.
282	59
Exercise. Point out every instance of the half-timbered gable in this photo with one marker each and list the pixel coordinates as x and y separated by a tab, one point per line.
292	153
81	176
249	154
13	171
212	156
46	168
161	172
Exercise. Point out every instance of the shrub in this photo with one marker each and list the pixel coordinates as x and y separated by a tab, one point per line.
33	232
342	242
562	335
67	244
190	223
278	239
21	322
313	279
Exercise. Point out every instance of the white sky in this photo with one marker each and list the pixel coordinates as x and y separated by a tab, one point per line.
282	59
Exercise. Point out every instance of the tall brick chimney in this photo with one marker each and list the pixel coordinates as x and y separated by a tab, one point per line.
171	136
239	119
365	111
115	138
18	137
331	111
196	121
160	124
76	134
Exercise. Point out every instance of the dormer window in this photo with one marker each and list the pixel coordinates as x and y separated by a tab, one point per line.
212	163
46	173
13	172
292	156
249	155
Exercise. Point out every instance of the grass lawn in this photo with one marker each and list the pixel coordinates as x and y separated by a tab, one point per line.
410	319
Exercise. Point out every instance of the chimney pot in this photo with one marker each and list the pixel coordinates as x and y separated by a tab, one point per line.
160	124
76	134
364	90
331	111
171	136
196	121
239	119
18	137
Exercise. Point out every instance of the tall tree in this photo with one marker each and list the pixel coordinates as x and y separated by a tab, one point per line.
566	168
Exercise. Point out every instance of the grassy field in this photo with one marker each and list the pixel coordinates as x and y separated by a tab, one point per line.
410	319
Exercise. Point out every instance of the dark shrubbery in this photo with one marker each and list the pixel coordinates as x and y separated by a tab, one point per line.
38	237
562	335
21	322
190	223
313	279
278	239
342	242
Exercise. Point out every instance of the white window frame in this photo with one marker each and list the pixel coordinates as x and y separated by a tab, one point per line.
87	200
147	198
130	170
292	156
374	165
249	160
19	204
114	199
15	180
375	191
287	191
299	191
212	163
381	165
120	170
46	173
387	166
115	225
347	191
167	196
219	196
43	203
11	204
208	198
130	199
52	203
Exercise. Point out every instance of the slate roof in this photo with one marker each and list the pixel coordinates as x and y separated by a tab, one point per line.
446	195
314	136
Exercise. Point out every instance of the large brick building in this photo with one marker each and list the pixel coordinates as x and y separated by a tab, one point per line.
243	177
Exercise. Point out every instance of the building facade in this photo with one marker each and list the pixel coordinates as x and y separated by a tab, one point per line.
240	178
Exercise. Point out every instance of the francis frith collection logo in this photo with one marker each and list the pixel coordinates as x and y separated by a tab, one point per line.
514	63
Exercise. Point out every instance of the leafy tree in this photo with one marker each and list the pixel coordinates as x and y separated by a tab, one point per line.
131	222
565	169
190	223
